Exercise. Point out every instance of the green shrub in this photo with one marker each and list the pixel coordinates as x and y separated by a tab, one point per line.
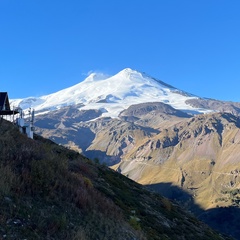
134	222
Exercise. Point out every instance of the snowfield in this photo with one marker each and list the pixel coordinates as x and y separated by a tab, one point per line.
111	94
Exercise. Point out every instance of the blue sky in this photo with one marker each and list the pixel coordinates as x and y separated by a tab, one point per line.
48	45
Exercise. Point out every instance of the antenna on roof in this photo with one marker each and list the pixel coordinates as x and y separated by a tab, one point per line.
29	112
33	115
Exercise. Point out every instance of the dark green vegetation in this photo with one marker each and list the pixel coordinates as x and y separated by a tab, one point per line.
233	195
50	192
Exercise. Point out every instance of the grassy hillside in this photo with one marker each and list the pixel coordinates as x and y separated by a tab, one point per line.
50	192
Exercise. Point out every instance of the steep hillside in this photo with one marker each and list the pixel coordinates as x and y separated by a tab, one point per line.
199	154
50	192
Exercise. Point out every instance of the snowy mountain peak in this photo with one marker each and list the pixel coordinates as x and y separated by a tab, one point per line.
131	74
134	74
96	77
128	72
112	94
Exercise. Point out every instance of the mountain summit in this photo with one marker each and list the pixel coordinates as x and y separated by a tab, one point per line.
113	94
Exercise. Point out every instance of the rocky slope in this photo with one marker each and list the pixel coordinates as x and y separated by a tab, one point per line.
200	154
219	106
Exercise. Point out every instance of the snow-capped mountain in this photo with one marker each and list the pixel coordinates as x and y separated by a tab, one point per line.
112	94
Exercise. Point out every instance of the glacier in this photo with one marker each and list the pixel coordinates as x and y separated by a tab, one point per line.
111	94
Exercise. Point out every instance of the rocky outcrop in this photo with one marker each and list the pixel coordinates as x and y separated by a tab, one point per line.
216	105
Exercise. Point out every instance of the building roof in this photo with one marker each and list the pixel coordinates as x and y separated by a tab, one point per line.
4	105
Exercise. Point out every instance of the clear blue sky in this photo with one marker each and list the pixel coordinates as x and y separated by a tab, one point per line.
48	45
